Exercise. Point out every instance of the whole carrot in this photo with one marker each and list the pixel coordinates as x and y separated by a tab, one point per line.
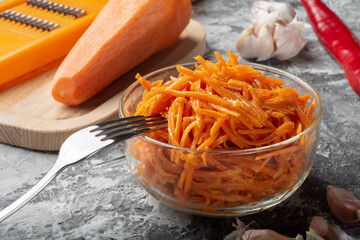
134	31
337	39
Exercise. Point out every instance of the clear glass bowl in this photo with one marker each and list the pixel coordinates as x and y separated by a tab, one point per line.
146	158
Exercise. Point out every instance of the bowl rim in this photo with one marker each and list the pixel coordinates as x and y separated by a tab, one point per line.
244	151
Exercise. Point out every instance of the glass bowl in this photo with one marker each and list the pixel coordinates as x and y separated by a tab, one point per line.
240	192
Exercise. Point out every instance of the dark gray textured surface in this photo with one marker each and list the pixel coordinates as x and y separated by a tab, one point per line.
98	198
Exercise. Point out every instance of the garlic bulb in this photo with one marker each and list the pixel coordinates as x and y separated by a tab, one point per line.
275	33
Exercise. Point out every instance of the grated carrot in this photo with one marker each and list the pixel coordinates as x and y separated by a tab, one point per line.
223	106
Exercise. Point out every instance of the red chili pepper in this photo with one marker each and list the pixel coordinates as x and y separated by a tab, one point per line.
337	39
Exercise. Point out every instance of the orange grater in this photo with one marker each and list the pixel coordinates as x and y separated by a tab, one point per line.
37	34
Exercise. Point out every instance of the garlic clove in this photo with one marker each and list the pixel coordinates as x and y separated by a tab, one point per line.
310	235
288	40
266	44
279	12
320	229
263	18
239	232
246	44
264	234
344	205
260	47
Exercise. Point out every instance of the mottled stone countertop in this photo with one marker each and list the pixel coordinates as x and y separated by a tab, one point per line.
99	199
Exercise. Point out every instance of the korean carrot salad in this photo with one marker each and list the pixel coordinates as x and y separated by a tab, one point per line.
218	109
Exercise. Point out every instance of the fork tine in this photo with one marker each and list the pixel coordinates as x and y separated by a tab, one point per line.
132	127
124	128
122	135
126	123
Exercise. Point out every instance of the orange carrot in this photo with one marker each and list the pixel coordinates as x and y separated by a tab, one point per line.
223	106
125	33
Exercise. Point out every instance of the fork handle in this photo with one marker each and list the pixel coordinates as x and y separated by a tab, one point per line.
12	208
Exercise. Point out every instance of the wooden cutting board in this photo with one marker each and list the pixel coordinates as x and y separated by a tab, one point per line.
30	118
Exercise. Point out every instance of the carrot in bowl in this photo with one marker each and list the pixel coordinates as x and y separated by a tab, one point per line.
222	106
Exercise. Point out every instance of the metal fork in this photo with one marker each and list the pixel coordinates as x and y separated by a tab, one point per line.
85	142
